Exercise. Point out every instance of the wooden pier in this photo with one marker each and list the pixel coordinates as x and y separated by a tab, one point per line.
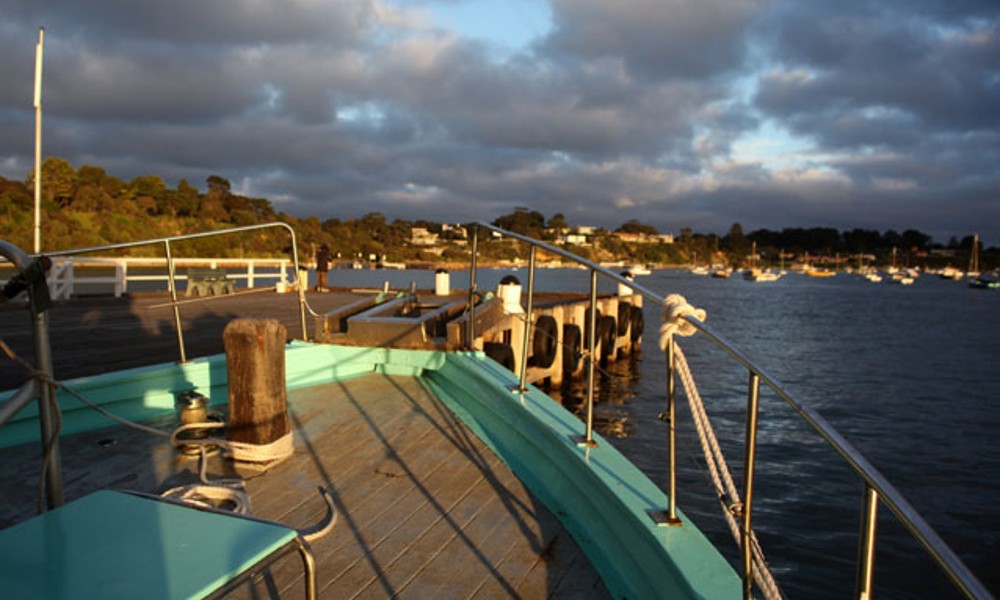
100	334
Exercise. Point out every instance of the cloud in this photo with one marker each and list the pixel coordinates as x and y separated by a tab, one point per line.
767	112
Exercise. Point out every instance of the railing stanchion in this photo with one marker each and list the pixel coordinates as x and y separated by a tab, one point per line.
172	285
746	543
527	321
866	544
671	423
301	287
471	328
588	438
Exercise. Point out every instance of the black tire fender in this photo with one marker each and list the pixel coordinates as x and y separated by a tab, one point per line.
544	341
638	324
624	317
606	333
572	347
500	352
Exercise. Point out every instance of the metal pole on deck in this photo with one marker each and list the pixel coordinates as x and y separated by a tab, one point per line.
471	328
746	544
672	436
527	321
172	284
588	438
866	544
38	139
47	416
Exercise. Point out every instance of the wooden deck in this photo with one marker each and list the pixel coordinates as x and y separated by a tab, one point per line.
425	509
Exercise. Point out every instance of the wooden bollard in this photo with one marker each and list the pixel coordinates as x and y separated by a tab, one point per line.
255	359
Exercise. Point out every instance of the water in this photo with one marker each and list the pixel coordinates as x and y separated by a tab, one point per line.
906	373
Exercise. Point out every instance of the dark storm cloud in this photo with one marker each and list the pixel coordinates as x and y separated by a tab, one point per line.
626	109
658	40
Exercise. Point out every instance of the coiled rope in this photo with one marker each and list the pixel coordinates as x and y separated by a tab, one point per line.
675	309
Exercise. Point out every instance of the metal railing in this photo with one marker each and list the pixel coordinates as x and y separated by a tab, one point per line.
171	264
877	489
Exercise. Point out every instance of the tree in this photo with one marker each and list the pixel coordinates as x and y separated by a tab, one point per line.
217	184
149	192
185	201
634	226
58	180
558	222
524	221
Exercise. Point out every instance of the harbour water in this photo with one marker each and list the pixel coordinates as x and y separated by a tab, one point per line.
908	374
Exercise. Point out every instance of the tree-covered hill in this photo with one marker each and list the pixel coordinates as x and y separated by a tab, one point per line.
86	206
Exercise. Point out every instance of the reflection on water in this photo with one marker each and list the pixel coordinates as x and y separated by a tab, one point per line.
615	387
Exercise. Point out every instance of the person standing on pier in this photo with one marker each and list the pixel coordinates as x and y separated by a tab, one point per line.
322	266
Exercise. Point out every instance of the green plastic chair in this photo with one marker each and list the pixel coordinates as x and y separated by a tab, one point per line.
114	544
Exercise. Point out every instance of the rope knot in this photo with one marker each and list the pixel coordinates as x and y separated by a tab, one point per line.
675	308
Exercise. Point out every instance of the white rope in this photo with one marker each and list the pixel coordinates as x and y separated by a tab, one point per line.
675	308
722	478
272	453
212	496
224	493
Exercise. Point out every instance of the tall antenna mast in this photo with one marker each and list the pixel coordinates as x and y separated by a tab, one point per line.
38	139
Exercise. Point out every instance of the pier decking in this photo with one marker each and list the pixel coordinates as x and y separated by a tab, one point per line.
100	334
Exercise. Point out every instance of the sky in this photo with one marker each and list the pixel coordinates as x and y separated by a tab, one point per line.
878	114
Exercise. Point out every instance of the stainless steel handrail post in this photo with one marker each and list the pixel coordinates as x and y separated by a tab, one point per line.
746	545
866	544
672	439
591	347
471	328
301	289
172	285
527	320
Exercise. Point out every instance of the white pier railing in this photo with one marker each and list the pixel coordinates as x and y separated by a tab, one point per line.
114	275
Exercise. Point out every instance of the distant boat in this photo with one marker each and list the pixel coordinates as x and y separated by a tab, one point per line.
985	282
951	272
753	273
639	270
699	270
817	272
721	272
761	275
974	258
901	279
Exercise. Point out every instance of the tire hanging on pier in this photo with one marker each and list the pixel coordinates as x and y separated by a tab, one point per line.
500	352
543	343
638	324
606	328
586	328
624	317
572	355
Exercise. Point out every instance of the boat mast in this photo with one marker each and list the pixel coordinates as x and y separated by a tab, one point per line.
974	257
38	139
